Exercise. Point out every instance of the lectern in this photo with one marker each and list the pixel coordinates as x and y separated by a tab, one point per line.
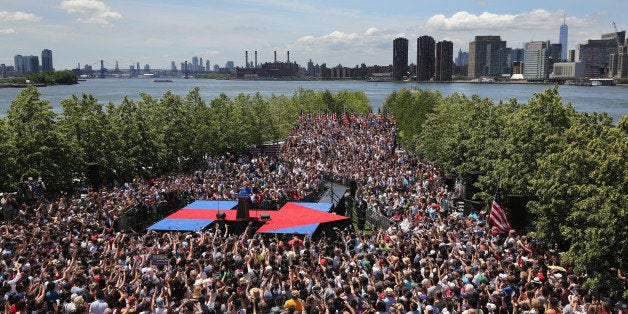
243	206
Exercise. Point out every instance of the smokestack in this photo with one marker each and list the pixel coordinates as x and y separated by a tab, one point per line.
288	57
246	57
256	59
275	56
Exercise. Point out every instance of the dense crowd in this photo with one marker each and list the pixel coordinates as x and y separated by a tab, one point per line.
65	253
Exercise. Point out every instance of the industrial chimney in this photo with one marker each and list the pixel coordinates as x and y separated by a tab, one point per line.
256	59
275	56
246	59
288	57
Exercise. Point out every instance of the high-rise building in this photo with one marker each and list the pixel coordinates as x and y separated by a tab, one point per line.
444	60
400	58
616	36
229	65
596	53
207	68
535	63
173	66
571	57
32	64
46	60
425	58
462	58
310	68
488	56
564	33
20	64
555	51
516	55
619	63
194	63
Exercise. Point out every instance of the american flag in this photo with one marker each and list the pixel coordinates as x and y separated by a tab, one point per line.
497	217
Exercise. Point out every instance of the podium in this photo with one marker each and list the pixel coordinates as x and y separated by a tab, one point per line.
243	206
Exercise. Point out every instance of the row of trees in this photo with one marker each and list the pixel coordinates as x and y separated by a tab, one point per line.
147	136
571	166
64	77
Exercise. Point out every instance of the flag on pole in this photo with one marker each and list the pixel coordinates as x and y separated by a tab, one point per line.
497	216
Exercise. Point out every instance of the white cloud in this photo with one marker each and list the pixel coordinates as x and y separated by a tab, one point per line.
464	21
7	31
96	12
6	16
338	38
371	43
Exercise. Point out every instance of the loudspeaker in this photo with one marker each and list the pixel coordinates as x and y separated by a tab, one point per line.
221	215
353	187
450	183
265	216
470	178
517	211
92	175
472	207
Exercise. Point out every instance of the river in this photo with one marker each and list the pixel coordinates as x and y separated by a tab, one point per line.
610	99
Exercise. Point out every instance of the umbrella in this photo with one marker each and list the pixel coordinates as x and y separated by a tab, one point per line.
558	268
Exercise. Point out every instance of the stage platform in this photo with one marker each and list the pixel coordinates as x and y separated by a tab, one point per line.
301	218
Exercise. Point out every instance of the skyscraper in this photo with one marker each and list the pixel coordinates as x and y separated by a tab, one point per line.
400	58
462	58
444	60
46	60
564	32
596	53
20	64
425	58
488	56
535	63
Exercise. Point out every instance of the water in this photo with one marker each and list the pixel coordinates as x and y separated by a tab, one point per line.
610	99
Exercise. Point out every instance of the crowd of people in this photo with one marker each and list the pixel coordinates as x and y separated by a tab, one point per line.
66	254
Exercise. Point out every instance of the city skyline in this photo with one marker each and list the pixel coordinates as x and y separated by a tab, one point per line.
345	32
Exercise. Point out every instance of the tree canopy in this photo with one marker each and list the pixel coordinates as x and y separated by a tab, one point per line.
147	136
570	165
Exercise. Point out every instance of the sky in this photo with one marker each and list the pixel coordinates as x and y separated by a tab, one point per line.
347	32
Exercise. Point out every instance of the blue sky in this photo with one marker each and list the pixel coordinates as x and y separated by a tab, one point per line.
347	32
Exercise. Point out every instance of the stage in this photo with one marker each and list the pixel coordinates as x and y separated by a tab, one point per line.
293	217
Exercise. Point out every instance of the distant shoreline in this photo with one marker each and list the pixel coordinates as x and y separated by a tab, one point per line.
21	85
24	85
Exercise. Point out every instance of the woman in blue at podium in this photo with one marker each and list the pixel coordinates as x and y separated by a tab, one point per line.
246	189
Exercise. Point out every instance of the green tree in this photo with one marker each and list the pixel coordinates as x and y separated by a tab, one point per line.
529	132
8	158
197	127
582	192
86	126
410	109
41	149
